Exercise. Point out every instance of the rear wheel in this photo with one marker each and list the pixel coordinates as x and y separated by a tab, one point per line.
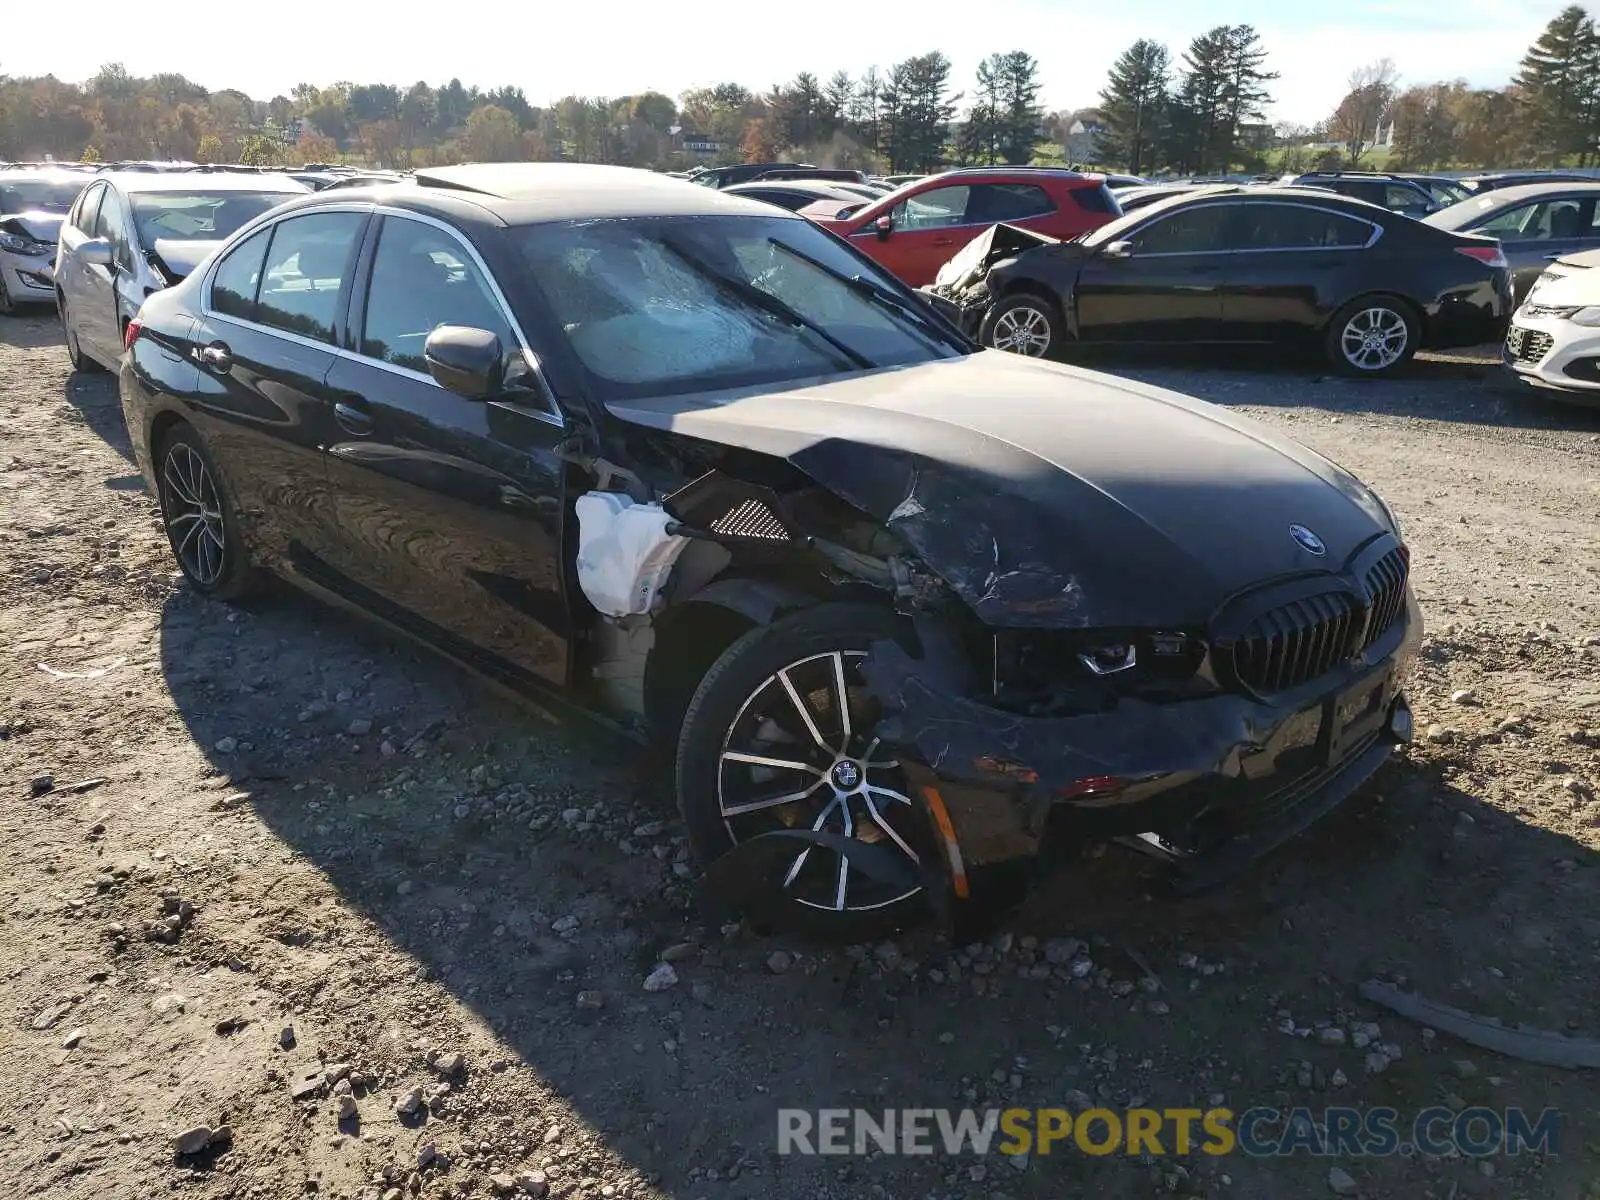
1023	324
199	518
80	360
1373	335
779	736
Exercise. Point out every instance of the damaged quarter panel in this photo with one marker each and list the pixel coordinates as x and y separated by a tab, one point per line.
1048	496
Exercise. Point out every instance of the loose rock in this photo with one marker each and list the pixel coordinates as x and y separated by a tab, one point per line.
662	978
1341	1182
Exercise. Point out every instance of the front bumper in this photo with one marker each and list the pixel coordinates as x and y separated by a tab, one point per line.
1209	785
29	278
1553	353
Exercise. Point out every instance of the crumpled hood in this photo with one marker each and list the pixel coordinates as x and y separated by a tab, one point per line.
1580	289
1047	495
40	226
181	256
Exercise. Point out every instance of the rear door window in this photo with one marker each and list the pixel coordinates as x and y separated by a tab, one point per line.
993	202
1547	220
307	263
1299	227
1404	198
233	288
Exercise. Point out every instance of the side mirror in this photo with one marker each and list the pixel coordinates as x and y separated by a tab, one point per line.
884	226
466	361
1117	250
96	252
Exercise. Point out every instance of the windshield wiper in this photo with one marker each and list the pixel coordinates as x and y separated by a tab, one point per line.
874	291
768	303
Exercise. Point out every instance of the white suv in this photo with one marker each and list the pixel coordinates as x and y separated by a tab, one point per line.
135	232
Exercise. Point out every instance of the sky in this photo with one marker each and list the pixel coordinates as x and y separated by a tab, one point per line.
619	47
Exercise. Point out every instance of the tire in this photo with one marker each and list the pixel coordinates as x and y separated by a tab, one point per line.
199	518
8	306
1025	324
1364	337
741	705
80	361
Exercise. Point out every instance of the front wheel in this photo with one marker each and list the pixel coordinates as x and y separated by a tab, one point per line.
1023	324
1375	335
779	736
8	306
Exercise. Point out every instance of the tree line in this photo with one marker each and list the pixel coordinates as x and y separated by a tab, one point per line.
903	118
1196	117
1198	114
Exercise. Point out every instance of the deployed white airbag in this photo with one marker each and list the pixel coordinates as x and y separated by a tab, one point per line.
625	553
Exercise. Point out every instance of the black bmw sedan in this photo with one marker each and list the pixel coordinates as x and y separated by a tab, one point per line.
1366	286
907	613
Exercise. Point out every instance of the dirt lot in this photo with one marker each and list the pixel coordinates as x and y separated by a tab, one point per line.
270	866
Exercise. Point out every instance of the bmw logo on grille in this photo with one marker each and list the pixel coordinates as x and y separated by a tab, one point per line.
846	775
1307	540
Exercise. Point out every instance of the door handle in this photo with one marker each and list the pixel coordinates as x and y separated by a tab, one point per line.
944	241
353	415
216	357
1553	257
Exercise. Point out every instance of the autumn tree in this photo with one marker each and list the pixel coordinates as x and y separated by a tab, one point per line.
310	147
1355	121
492	135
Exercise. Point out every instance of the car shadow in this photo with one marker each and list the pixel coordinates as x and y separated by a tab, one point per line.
519	863
1469	386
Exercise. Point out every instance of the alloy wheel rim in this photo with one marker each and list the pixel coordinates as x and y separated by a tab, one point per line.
799	755
1374	338
1022	331
194	515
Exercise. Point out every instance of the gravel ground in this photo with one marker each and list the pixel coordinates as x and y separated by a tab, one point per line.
294	907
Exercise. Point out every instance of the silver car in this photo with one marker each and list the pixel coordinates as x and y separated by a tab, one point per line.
132	233
33	204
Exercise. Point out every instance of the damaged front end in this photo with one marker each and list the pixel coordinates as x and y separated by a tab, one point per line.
961	290
1077	663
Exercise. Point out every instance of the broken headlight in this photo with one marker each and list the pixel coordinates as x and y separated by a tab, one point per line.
1085	670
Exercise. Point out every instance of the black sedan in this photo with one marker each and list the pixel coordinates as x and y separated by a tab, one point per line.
907	614
1291	265
1535	224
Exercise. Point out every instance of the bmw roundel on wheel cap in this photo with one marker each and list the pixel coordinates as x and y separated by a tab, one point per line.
1308	540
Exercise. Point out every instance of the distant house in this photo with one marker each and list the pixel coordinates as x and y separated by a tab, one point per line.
1082	138
697	143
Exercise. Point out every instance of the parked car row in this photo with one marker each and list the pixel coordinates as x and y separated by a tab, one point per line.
1365	285
910	617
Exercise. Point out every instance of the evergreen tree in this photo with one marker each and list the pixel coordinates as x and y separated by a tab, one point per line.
1558	83
916	111
1020	114
1246	95
1133	105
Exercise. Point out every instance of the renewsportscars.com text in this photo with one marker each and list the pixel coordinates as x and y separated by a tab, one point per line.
1256	1132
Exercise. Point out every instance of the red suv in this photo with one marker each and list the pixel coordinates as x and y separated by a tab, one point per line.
915	230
